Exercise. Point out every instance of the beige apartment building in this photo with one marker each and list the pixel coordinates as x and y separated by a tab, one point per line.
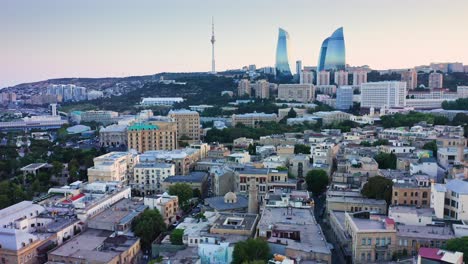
244	88
152	136
373	237
188	124
113	166
167	205
417	192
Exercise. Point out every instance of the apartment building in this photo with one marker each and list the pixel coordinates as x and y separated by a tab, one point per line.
188	124
113	166
152	136
148	177
296	92
167	205
416	191
450	200
253	119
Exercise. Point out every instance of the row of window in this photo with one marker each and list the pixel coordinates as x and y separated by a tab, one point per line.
413	194
378	241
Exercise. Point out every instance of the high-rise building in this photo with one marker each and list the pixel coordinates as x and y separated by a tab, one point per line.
341	78
359	77
323	78
296	92
262	89
344	97
188	124
298	70
244	88
436	80
380	94
282	54
410	77
462	91
332	53
152	136
307	77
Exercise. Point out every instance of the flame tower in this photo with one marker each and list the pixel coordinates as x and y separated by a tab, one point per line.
213	40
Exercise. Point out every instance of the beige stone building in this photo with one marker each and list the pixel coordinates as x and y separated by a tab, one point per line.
373	238
415	192
113	136
265	179
244	88
152	136
262	89
188	124
410	77
113	166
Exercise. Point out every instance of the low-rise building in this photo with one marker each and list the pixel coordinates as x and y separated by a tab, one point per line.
99	247
303	93
101	116
196	180
373	237
356	204
294	233
411	215
113	136
167	205
449	200
412	237
253	119
415	192
439	256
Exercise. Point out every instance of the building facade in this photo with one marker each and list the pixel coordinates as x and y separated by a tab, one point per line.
188	124
143	137
380	94
296	92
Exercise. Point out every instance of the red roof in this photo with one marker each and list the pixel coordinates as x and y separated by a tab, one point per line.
389	221
430	253
73	198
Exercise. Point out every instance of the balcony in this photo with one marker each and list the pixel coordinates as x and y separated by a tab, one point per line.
381	247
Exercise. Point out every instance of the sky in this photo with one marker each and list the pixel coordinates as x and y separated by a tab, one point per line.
44	39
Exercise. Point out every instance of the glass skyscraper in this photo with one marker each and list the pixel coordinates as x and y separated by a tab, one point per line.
282	57
332	52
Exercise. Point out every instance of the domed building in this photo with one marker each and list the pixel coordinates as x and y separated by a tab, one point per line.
230	202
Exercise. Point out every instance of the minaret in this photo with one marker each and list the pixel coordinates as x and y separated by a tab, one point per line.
213	69
253	196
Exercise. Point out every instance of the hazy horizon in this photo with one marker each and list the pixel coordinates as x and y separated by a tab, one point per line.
66	39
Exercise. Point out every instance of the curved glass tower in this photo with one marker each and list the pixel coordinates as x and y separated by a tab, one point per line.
332	52
282	57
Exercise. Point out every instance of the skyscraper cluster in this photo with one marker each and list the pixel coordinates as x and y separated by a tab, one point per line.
331	58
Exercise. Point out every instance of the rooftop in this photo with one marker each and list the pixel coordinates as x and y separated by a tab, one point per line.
341	199
196	176
425	232
458	186
427	212
297	220
94	246
142	126
219	204
120	213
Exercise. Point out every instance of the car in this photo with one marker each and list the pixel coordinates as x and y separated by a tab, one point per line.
176	223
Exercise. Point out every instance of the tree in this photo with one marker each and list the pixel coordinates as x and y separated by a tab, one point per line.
148	226
301	149
252	149
196	193
251	251
432	146
292	113
183	191
176	237
57	168
386	160
317	181
378	187
459	244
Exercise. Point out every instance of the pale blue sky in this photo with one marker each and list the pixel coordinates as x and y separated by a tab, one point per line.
43	39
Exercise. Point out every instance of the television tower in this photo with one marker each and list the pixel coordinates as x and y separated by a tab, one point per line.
213	69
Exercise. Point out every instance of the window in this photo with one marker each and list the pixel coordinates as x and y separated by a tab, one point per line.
369	241
363	256
377	241
363	242
389	240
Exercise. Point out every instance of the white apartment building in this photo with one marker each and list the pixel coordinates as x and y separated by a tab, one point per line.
148	177
380	94
450	201
296	92
462	91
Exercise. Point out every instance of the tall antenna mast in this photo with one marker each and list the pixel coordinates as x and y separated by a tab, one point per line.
213	68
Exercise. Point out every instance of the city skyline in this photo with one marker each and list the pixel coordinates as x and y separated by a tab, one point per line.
53	39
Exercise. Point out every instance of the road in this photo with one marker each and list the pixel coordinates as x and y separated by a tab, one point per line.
319	212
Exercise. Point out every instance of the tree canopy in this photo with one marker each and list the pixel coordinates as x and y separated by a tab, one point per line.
301	149
386	160
177	236
317	181
378	187
148	226
183	191
459	244
251	251
431	146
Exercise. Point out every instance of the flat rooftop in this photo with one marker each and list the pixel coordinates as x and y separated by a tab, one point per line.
368	224
425	232
341	199
235	221
94	246
427	212
120	213
300	220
